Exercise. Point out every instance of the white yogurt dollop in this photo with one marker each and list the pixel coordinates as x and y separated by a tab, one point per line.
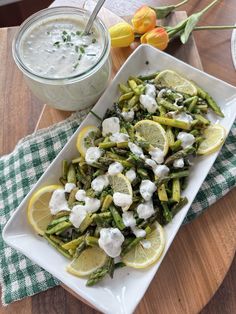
80	195
136	150
110	126
130	175
77	215
128	219
147	188
146	244
119	137
150	90
157	155
128	115
115	168
139	233
92	155
161	171
58	202
148	103
122	200
69	187
110	241
100	183
181	116
178	163
145	210
186	139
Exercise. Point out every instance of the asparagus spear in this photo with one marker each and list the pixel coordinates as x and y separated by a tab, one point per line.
117	218
172	122
180	154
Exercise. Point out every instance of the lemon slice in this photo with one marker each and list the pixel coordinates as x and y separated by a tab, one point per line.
87	262
86	138
154	133
141	257
214	138
173	80
38	211
121	184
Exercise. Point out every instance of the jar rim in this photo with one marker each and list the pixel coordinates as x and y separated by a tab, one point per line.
49	12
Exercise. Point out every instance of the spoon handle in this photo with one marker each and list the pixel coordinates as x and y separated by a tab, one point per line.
93	16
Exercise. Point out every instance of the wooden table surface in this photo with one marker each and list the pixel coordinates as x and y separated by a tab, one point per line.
214	48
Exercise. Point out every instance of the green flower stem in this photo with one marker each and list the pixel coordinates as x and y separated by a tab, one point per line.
218	27
181	3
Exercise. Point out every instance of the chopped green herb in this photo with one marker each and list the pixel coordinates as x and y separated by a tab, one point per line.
48	33
63	38
78	33
77	49
57	44
82	49
64	33
80	56
94	40
75	66
91	54
72	34
85	46
68	38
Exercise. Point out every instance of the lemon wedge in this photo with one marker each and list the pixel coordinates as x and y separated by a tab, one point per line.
147	251
86	138
214	138
38	211
87	262
173	80
154	133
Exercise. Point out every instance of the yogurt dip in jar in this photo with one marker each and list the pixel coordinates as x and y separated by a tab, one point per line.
63	67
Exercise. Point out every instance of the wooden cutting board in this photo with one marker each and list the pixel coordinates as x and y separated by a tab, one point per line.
202	252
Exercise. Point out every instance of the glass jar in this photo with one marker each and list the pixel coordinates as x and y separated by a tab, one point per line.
75	91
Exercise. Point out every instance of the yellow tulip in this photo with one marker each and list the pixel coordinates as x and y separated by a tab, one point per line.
158	37
144	20
122	35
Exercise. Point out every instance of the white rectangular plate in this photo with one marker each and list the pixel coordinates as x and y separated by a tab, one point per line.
123	293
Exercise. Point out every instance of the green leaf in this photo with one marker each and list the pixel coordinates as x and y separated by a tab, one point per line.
191	23
162	12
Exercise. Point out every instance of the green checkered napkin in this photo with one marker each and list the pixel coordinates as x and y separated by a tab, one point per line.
20	170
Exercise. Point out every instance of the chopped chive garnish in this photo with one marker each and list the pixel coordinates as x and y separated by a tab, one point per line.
77	49
48	33
82	49
94	40
64	33
91	54
80	56
75	66
85	46
68	38
64	38
57	44
72	34
78	33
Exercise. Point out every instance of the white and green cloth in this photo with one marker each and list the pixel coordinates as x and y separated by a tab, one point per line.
20	170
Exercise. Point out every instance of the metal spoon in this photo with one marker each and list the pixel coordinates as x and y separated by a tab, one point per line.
93	16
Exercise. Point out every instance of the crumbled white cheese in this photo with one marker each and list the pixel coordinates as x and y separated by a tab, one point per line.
139	233
146	244
128	115
128	219
122	200
69	187
145	210
162	92
157	155
150	162
161	171
130	175
150	90
178	163
92	204
115	168
80	195
110	126
110	241
58	202
147	188
92	155
136	150
148	103
77	215
186	139
119	137
100	183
